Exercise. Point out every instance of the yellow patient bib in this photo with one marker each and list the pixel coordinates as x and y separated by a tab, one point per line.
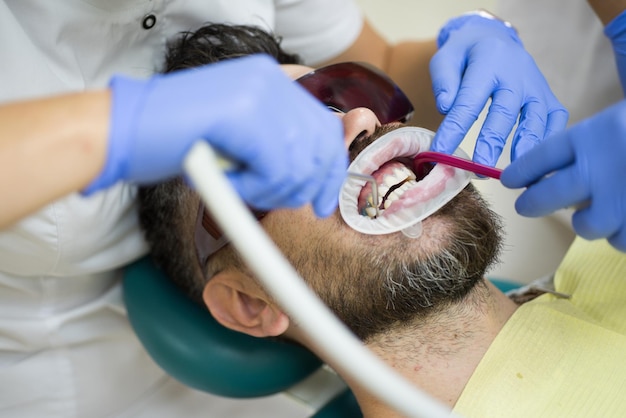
560	357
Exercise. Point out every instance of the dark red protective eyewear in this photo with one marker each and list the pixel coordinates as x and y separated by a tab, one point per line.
348	85
341	87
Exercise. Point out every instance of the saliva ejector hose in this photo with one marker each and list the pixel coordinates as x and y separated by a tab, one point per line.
331	337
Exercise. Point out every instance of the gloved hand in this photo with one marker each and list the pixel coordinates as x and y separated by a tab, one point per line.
290	147
585	167
616	32
479	58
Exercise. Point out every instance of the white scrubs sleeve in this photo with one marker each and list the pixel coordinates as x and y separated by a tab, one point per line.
318	30
566	40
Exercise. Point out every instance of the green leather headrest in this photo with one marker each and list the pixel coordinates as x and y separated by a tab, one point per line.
186	341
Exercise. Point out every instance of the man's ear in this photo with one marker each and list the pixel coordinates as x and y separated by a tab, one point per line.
238	303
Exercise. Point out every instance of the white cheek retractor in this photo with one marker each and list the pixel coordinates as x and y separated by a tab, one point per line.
421	200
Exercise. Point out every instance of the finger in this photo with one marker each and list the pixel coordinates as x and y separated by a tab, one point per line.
265	181
251	187
285	195
557	121
563	189
531	129
446	71
330	176
470	101
303	182
552	154
325	203
618	240
502	116
299	187
599	219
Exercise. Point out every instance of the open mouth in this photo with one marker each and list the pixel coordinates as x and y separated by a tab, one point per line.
404	198
394	179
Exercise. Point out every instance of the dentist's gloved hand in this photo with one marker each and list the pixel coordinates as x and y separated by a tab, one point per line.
616	32
481	58
585	167
289	146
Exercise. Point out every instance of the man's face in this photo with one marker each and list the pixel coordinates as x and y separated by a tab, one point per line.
375	281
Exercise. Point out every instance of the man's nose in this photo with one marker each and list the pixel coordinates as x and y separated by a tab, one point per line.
357	123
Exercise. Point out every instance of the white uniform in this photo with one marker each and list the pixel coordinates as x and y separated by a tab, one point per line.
66	349
567	41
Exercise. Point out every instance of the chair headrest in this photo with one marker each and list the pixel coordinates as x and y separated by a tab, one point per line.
191	346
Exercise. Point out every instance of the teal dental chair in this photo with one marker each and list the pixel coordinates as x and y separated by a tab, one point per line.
191	346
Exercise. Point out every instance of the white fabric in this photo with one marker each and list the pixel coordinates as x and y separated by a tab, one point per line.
567	41
66	349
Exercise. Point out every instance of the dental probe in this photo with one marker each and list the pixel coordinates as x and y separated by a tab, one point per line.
372	181
329	335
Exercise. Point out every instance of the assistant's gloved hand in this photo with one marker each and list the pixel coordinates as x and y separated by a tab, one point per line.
616	32
479	58
585	166
289	146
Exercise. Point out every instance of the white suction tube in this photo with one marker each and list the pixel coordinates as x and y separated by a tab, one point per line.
330	336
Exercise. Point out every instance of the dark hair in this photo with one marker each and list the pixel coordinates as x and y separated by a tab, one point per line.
165	209
219	42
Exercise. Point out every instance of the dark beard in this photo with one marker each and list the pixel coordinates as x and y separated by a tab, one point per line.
372	288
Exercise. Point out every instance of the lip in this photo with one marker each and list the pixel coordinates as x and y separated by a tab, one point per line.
416	203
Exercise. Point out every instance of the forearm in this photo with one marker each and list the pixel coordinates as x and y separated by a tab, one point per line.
50	148
407	63
607	10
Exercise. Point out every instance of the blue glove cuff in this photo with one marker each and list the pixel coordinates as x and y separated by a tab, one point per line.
616	32
126	96
478	18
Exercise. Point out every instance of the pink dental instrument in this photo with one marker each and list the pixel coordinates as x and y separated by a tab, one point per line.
423	158
422	166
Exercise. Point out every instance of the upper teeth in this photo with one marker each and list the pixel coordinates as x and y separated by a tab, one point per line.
401	178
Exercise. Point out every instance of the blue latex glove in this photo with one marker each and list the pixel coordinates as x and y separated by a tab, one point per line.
481	58
289	146
585	167
616	32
